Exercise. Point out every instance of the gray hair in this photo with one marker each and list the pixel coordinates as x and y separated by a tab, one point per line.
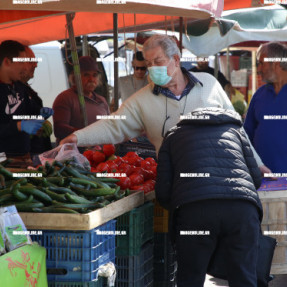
167	43
275	50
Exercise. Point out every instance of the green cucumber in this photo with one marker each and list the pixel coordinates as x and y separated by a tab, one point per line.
55	196
56	180
18	183
28	207
84	182
75	173
76	199
62	190
8	174
19	195
36	193
5	197
103	191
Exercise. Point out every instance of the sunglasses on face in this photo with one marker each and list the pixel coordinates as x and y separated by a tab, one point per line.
140	68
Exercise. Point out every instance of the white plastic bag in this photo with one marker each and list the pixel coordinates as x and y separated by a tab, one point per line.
109	271
13	228
68	151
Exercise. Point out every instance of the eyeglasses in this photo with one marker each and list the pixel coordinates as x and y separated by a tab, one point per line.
140	68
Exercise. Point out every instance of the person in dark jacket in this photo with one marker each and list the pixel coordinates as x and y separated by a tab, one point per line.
207	178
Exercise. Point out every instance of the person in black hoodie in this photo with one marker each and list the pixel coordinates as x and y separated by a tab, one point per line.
19	116
207	178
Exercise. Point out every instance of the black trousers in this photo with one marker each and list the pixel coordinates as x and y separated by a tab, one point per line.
234	221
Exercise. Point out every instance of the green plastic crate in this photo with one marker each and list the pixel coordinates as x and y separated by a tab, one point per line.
138	226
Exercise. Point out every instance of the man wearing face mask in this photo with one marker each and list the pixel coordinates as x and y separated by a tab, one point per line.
160	105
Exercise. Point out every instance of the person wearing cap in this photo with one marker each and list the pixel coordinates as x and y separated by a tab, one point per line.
67	113
130	84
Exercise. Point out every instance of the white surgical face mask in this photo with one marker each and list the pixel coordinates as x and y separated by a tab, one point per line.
158	74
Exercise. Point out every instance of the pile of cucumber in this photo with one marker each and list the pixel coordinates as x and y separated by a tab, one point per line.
62	188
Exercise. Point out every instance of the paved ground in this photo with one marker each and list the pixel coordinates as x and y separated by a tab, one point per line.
279	281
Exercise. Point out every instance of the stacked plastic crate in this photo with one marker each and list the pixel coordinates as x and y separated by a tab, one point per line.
134	250
74	257
165	265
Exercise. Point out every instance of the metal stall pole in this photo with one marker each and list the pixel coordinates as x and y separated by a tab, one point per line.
254	75
85	46
116	53
216	68
76	66
180	34
228	64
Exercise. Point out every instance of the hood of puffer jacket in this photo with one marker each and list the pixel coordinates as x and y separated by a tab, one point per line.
211	116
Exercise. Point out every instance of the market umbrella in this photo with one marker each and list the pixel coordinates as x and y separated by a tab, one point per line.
21	24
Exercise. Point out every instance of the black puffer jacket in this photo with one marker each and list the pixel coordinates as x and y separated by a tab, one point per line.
216	146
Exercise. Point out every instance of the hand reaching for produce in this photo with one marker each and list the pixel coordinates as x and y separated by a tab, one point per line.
46	112
46	130
30	127
69	139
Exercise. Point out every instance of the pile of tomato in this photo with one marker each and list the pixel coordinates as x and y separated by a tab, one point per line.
140	173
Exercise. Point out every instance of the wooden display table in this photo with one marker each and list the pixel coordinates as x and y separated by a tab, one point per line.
88	221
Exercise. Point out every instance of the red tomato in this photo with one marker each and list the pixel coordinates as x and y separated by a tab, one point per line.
138	170
112	157
109	149
148	174
151	160
146	164
136	179
88	154
125	168
153	169
136	161
93	169
150	183
118	161
98	157
124	182
112	166
101	167
131	154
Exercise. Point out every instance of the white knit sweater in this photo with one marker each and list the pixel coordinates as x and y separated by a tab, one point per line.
146	112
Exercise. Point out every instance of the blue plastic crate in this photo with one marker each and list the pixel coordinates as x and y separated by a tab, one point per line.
101	282
136	271
76	256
